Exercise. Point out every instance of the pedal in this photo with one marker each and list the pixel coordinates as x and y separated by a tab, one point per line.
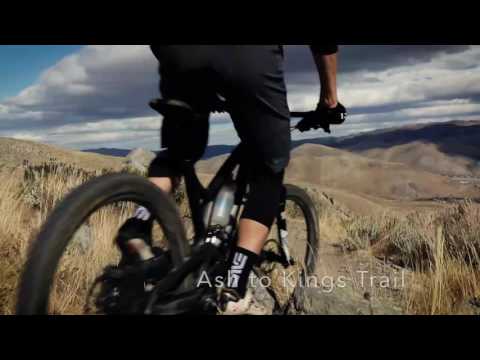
193	301
209	304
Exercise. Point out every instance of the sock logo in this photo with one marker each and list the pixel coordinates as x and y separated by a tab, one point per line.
142	214
239	261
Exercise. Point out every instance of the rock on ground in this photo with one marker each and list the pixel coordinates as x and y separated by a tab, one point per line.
83	238
470	307
345	301
139	160
340	301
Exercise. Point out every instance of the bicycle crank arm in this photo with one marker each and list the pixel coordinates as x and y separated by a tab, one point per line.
153	268
174	279
177	304
272	257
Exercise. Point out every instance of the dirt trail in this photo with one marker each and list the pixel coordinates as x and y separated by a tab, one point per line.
368	275
343	283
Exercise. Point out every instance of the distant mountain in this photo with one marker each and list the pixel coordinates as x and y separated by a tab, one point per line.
217	150
340	169
437	133
450	148
214	150
109	152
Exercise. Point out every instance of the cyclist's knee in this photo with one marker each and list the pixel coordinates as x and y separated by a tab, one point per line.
164	166
185	139
266	187
278	165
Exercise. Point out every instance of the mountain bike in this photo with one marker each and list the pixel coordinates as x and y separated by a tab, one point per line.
168	283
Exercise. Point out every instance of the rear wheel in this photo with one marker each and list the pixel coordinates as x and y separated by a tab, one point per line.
288	281
104	200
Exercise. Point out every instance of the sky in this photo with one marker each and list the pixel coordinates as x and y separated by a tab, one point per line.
20	65
85	97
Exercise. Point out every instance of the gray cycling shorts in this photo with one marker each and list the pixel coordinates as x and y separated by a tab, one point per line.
250	77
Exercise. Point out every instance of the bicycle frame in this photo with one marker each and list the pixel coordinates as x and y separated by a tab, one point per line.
199	197
203	252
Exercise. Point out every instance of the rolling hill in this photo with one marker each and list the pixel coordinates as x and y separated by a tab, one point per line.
443	148
347	172
15	152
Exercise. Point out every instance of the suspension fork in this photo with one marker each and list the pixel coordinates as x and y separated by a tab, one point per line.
282	226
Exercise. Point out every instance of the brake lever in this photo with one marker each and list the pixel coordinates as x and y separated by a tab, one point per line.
326	128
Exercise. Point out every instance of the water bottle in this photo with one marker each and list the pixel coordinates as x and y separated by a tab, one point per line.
220	211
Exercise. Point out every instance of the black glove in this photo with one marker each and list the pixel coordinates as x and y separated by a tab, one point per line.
322	118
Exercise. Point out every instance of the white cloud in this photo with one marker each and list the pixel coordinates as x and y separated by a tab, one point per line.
138	124
109	133
96	83
448	108
419	82
27	136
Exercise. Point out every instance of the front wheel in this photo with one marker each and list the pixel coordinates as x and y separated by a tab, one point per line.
96	203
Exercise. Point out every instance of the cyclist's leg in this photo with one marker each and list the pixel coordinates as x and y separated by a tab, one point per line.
165	172
262	119
262	206
183	77
180	143
181	74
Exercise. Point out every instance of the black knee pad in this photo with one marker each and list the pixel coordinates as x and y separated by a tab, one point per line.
164	165
266	189
185	139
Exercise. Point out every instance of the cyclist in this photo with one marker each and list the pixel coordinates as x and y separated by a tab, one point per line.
251	79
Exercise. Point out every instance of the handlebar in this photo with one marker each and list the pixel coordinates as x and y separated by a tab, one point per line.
320	119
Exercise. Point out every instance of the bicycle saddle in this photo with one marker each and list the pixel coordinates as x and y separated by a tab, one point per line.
168	107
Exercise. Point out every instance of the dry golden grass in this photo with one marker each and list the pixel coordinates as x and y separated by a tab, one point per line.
13	240
46	184
24	207
440	248
78	269
452	279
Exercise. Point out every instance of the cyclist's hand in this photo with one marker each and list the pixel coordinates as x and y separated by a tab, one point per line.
336	115
323	117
